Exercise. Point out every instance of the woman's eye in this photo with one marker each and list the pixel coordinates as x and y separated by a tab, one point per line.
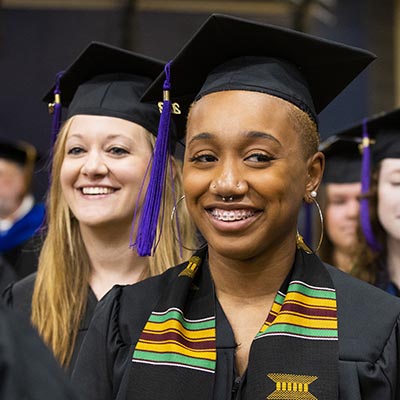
118	151
203	158
75	150
259	157
337	202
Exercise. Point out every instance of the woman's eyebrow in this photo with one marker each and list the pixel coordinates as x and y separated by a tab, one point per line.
262	135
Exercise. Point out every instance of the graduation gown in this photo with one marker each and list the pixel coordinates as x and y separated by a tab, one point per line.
19	297
27	368
7	274
368	341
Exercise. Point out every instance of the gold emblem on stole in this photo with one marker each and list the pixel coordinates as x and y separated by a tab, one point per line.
191	268
292	387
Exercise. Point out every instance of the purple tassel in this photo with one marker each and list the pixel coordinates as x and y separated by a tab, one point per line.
365	184
56	110
146	242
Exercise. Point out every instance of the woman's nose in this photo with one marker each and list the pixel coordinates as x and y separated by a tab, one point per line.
94	165
228	182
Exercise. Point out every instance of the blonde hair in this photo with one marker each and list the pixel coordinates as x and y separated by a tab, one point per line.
60	297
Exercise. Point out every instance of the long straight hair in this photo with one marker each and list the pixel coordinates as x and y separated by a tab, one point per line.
61	286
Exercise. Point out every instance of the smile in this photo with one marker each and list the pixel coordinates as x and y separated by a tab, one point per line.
231	215
95	190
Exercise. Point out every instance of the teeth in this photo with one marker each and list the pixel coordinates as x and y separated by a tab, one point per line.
233	215
97	190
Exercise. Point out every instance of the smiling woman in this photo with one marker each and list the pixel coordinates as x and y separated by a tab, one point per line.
100	161
252	315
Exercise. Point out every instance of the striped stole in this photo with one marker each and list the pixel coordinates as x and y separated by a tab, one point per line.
294	355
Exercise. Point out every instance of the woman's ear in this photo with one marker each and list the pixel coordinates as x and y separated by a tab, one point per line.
315	166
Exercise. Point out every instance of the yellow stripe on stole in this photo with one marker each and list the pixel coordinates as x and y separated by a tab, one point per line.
314	302
174	347
304	321
173	325
314	317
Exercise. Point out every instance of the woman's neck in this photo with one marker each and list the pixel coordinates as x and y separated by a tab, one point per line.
250	278
112	261
393	259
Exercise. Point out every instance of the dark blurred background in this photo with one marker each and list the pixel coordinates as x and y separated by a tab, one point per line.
38	38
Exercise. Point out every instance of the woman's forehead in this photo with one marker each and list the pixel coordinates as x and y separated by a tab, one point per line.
231	112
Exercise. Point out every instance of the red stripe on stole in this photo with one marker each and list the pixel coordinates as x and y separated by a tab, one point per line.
175	336
307	311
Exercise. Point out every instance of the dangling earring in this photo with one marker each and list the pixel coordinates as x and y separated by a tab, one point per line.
301	244
177	238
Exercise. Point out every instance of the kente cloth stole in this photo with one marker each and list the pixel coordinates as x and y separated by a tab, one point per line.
294	355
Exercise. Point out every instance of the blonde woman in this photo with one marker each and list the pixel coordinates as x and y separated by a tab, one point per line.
100	159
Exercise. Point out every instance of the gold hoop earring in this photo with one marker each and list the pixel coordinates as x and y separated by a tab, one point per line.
301	244
177	238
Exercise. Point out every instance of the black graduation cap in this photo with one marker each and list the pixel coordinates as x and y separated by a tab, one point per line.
383	130
229	53
107	80
20	152
342	158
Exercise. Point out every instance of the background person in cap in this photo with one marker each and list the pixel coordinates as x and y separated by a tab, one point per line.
378	255
28	369
252	315
20	217
339	196
100	160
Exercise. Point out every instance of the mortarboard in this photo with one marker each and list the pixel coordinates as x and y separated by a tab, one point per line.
342	158
383	129
19	152
229	53
109	81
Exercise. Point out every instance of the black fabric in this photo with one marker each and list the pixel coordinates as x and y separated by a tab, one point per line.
19	297
27	369
368	341
116	95
24	258
7	274
109	81
342	159
308	71
384	129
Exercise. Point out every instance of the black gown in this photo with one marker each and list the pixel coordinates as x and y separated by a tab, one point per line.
369	335
27	368
19	297
7	274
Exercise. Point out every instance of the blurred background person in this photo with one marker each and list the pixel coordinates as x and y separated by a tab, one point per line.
339	196
100	161
378	256
20	216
